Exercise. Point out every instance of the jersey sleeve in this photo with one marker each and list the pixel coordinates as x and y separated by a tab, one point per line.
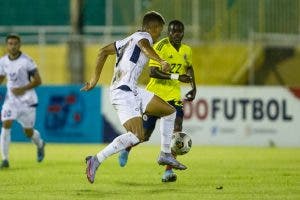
31	65
143	35
121	43
136	37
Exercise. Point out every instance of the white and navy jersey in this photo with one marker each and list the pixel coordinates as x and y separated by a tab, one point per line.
130	60
17	73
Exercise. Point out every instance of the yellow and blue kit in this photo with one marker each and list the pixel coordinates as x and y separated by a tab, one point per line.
179	60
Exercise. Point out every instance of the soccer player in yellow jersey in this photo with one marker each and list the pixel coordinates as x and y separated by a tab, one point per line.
167	84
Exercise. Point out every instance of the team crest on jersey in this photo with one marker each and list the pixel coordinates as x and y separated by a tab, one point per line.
13	76
185	57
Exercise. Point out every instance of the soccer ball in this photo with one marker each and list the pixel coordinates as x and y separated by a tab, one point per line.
181	143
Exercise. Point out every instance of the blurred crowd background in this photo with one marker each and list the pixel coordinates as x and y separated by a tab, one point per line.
235	42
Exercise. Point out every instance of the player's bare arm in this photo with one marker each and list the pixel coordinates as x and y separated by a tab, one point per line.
190	96
34	82
102	56
2	79
155	72
150	53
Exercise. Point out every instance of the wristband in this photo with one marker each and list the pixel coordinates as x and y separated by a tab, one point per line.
174	76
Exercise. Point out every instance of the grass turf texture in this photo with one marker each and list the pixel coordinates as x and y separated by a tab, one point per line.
213	173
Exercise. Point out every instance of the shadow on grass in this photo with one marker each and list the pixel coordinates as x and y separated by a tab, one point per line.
148	187
90	192
125	187
131	189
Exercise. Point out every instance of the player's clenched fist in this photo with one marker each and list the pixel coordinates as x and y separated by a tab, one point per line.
89	85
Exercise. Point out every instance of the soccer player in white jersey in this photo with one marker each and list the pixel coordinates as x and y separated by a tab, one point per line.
179	55
130	101
21	100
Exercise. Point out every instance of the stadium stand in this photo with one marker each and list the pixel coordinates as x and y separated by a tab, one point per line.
220	32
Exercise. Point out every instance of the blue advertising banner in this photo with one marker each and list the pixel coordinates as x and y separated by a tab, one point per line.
64	114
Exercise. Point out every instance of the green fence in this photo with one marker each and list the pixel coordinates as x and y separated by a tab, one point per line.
206	20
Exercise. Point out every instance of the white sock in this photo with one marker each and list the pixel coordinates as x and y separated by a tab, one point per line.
166	130
36	138
119	143
4	142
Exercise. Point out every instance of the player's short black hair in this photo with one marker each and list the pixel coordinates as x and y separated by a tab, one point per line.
175	22
153	16
13	36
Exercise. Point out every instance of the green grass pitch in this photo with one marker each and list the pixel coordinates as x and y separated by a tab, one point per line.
213	173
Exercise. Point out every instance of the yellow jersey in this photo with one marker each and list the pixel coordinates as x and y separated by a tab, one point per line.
169	89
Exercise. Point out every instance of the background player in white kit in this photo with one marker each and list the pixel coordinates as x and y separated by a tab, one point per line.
21	100
130	101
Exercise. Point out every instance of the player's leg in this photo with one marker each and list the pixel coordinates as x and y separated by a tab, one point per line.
35	137
133	136
27	118
169	175
129	112
8	115
149	125
5	141
158	107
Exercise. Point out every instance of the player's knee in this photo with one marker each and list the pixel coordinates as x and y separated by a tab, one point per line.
169	110
7	124
172	110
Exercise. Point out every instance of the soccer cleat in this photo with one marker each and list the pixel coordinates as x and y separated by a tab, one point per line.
123	157
168	159
4	164
169	176
41	152
92	165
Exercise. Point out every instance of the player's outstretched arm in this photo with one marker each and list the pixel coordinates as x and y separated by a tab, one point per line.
190	96
155	72
102	56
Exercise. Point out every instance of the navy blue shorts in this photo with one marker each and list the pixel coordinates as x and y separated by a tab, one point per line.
150	121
